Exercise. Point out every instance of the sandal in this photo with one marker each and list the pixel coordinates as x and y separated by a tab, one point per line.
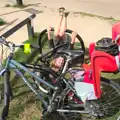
61	11
66	14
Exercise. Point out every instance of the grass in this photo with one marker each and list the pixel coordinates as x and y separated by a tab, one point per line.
111	19
21	6
2	22
25	102
25	105
16	6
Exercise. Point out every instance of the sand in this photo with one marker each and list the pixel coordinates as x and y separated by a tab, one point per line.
89	28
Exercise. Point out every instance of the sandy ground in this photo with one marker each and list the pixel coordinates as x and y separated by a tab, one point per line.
89	28
100	7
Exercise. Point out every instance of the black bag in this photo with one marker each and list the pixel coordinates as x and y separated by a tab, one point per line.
108	46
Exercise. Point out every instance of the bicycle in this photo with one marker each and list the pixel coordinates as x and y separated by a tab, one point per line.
107	101
67	97
46	58
17	67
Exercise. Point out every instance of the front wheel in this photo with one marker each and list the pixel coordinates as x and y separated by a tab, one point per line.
7	92
110	99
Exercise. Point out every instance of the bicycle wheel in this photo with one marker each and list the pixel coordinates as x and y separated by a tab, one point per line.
46	74
77	46
7	91
68	31
106	108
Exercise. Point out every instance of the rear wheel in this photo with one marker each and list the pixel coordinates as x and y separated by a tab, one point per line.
106	108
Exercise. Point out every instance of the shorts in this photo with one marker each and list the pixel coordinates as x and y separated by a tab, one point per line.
57	41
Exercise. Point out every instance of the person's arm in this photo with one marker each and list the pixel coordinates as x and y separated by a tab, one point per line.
50	40
51	43
74	34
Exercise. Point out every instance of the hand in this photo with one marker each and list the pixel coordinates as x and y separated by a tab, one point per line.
49	29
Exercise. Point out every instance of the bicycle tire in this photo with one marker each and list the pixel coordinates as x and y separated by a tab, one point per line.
40	44
45	73
7	93
67	31
116	115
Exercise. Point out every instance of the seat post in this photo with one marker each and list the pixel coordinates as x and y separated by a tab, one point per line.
66	64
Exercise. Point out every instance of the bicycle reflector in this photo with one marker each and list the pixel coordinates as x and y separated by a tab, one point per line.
27	48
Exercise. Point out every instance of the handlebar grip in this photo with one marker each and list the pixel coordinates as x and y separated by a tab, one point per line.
31	45
3	41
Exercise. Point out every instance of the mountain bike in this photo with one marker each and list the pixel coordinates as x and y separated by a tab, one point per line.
18	68
77	96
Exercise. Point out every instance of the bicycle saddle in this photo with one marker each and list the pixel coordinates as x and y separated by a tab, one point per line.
72	53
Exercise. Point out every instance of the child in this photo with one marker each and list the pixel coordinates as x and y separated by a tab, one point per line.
60	37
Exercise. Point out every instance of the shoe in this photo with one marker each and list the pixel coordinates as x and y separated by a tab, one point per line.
66	14
61	11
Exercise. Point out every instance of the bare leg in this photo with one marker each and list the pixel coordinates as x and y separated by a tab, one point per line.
58	26
63	27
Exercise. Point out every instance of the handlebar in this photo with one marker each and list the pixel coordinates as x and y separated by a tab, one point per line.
12	45
3	41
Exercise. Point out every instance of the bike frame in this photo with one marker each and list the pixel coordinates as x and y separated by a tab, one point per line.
17	67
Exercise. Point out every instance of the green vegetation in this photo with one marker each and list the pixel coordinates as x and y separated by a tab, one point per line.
25	105
19	6
110	19
2	22
16	6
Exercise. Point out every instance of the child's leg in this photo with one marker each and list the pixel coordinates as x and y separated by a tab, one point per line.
58	26
64	25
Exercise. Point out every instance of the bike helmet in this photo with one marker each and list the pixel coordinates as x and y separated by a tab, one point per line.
107	45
